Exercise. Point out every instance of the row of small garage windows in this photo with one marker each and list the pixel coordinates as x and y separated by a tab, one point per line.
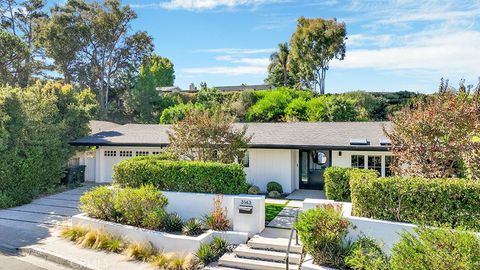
124	153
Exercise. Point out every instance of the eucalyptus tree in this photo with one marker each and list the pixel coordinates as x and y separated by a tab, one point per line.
314	43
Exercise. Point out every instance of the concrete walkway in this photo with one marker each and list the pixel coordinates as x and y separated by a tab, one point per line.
27	224
302	194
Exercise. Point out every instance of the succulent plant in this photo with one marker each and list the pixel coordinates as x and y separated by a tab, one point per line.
193	227
173	223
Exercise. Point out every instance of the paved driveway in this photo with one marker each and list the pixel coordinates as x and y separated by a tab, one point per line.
27	224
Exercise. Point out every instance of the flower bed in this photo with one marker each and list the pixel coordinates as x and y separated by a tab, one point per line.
167	242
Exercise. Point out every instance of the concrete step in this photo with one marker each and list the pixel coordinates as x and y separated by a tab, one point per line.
244	251
276	244
230	260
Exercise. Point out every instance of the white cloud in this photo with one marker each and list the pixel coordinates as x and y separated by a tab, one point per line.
201	4
235	62
447	53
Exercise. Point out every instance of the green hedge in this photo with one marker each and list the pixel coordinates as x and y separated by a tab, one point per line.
337	182
185	176
450	202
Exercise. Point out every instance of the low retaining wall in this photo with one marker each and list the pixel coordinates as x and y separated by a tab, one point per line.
196	205
160	240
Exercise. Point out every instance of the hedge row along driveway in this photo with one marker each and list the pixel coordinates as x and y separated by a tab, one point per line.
183	176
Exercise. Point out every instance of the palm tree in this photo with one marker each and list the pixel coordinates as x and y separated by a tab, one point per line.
281	58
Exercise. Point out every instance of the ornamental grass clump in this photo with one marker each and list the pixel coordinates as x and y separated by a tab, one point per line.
217	220
140	251
322	232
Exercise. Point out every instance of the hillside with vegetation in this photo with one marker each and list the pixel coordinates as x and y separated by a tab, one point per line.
278	105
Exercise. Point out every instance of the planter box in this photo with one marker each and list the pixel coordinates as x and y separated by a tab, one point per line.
166	242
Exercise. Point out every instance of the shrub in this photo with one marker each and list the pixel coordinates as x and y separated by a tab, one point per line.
177	262
99	203
160	261
450	202
365	254
254	190
322	232
337	185
155	219
274	186
133	204
337	181
274	194
140	252
193	227
439	249
173	223
217	220
184	176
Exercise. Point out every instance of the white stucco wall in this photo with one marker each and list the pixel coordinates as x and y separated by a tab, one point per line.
273	165
345	160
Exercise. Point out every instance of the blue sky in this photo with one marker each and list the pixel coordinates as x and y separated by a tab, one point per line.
392	45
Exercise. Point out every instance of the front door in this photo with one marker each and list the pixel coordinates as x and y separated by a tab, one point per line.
312	165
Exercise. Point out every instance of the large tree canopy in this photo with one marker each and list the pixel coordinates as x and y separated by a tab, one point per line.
206	136
143	102
278	71
91	45
13	54
314	43
435	137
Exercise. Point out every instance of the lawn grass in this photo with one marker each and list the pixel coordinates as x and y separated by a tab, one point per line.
272	210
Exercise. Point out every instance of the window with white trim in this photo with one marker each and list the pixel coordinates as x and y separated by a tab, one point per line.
388	166
141	153
358	161
110	153
375	163
125	153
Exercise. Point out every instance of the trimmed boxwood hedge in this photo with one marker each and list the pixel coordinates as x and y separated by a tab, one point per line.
185	176
451	202
337	182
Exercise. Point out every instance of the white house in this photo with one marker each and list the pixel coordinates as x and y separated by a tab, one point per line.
292	154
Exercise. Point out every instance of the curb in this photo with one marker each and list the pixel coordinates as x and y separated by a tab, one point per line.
52	257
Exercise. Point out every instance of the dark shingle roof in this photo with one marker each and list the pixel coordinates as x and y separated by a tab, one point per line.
332	135
99	126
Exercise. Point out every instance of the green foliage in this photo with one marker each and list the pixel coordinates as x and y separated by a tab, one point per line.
73	233
274	186
270	107
173	223
193	227
141	207
272	210
322	232
297	110
155	219
35	123
451	202
14	53
440	249
313	44
133	204
254	190
337	181
337	186
185	176
210	252
177	112
365	254
99	203
274	194
331	108
144	101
